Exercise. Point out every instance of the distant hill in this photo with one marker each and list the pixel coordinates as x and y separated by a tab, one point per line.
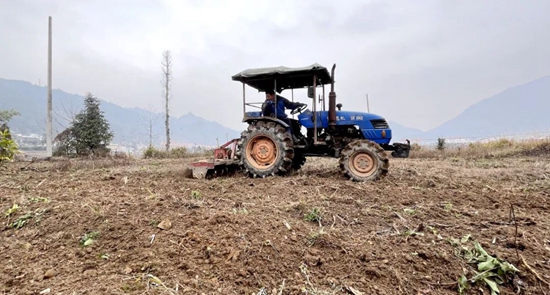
400	132
517	110
128	124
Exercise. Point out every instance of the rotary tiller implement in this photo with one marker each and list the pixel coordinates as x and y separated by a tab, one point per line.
223	163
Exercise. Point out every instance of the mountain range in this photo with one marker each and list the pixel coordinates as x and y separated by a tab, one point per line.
517	110
129	125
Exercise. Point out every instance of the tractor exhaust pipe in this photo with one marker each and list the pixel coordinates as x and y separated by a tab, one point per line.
332	102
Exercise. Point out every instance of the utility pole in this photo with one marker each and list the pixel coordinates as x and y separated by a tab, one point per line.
49	111
368	108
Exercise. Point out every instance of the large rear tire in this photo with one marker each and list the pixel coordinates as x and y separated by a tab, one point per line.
364	160
266	149
298	161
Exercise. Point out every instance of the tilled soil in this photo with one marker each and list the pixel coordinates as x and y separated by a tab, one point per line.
311	233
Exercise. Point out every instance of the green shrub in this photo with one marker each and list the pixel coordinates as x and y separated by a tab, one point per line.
8	147
441	144
179	152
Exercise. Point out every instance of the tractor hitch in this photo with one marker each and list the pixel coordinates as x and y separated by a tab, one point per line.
401	149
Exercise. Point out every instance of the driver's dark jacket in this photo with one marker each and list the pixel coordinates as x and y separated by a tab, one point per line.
268	107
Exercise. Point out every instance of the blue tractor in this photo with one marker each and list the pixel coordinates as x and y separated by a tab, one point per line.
276	146
271	146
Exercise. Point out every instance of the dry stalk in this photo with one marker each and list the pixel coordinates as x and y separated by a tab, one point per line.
434	224
513	219
522	260
41	183
282	288
395	228
354	291
491	188
401	288
533	271
400	217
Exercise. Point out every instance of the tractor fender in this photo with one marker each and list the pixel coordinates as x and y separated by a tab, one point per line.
250	120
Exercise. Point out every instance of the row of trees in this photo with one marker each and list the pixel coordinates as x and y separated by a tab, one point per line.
89	131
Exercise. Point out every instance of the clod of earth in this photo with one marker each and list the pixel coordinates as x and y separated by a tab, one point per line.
165	224
50	273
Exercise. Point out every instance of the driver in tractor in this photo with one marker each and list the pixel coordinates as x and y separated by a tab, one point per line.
273	101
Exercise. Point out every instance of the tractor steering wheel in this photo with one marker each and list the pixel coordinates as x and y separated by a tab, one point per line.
298	110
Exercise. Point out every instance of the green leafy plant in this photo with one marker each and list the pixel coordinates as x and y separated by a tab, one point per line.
490	271
314	215
12	210
21	221
88	238
196	195
8	146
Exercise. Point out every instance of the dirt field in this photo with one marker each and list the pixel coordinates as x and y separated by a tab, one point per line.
93	228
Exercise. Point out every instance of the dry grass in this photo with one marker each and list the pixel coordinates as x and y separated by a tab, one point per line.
501	148
175	153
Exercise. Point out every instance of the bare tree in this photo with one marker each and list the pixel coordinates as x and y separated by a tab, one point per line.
166	81
66	114
64	117
149	121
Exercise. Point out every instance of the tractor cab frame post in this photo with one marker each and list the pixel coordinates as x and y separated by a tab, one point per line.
292	95
244	98
314	98
324	106
275	98
332	102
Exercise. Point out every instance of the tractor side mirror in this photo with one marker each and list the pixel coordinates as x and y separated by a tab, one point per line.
311	92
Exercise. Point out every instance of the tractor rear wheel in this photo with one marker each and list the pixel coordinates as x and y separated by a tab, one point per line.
266	149
298	161
364	160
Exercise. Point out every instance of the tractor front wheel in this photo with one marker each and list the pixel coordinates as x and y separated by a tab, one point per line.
364	160
266	149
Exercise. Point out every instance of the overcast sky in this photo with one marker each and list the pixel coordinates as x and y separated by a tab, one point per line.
421	62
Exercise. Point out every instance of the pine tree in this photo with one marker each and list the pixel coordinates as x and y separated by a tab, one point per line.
90	131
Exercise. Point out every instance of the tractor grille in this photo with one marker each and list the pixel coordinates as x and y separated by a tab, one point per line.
379	124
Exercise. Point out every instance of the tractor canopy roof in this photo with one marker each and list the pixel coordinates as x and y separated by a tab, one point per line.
287	78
